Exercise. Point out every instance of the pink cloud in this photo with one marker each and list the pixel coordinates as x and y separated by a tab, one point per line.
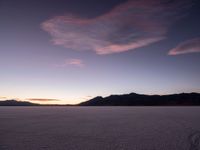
189	46
71	62
128	26
75	62
122	48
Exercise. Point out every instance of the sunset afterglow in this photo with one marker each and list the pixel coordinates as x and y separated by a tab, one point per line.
61	53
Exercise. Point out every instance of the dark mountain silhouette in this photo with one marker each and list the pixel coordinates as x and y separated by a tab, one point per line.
16	103
133	99
25	103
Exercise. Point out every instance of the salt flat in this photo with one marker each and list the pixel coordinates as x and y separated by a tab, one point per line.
99	128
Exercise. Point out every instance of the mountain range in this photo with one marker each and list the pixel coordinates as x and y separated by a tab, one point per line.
132	99
17	103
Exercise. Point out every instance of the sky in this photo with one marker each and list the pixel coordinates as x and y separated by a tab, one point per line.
69	51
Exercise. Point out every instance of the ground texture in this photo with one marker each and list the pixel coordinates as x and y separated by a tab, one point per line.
99	128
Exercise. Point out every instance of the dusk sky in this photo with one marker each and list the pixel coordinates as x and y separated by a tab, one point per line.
69	51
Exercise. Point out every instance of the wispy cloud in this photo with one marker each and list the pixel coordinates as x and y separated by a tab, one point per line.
128	26
42	99
3	97
74	62
189	46
71	62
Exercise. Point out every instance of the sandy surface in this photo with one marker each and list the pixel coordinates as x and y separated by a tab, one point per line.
99	128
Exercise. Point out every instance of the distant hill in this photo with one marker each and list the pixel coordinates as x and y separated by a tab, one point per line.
25	103
16	103
133	99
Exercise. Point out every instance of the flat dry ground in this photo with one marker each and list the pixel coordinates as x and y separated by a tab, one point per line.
99	128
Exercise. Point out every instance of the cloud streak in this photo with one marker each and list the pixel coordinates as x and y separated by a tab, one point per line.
72	62
3	97
189	46
128	26
43	99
